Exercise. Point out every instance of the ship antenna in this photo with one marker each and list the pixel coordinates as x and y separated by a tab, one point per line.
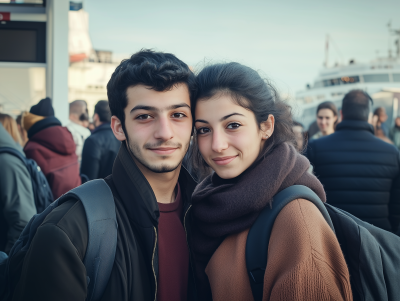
326	51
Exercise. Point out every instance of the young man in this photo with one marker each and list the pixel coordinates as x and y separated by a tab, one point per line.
150	99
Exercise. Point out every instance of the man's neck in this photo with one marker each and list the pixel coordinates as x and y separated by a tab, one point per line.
163	184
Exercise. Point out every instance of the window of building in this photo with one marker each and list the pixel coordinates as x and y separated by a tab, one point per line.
376	78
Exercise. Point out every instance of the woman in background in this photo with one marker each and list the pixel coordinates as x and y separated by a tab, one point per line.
10	125
395	132
327	118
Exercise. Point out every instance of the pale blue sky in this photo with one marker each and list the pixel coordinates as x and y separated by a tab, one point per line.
284	40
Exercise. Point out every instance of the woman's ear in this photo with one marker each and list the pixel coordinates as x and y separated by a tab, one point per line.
267	127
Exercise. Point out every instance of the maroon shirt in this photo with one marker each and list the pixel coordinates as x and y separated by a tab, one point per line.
173	253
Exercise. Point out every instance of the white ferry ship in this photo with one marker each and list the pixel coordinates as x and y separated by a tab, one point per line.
380	78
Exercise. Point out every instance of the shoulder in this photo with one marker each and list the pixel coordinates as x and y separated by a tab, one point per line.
68	219
301	226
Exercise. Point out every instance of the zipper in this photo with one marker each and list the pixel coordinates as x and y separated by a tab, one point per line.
152	263
187	242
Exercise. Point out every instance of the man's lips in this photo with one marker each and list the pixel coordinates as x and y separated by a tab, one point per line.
224	160
163	150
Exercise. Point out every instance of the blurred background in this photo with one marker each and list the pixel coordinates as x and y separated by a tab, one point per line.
313	51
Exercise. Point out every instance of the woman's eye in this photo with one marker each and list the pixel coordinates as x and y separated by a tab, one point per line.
178	115
143	117
233	125
201	131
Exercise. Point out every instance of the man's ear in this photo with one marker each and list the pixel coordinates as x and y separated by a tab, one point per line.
267	127
116	127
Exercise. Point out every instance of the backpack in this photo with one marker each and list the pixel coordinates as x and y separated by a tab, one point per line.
41	189
98	201
372	254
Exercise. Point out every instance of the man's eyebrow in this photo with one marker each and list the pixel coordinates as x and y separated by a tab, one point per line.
227	116
177	106
154	109
146	108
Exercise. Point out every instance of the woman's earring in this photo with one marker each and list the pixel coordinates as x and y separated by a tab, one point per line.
266	137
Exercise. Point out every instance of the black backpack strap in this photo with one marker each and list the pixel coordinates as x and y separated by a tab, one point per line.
98	201
259	234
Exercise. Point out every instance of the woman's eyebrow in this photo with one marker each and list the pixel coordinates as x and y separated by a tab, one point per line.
201	120
227	116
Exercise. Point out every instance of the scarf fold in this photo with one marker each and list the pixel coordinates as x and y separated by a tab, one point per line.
223	207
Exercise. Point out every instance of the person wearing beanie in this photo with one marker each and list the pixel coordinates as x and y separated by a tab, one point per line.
52	147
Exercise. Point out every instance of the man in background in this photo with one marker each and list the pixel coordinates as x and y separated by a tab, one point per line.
77	116
101	148
16	196
360	173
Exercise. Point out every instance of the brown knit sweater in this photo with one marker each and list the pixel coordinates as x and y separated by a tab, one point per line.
305	261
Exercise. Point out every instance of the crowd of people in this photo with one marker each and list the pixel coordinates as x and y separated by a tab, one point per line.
182	240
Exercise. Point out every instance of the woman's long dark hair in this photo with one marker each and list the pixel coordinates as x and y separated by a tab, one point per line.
250	91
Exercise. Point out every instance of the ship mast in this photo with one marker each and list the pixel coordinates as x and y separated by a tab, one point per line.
326	51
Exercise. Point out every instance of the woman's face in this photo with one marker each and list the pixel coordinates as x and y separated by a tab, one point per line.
228	135
326	120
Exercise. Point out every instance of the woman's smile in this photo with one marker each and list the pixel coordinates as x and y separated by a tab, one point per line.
224	160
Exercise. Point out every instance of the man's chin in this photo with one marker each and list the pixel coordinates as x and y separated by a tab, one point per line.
162	168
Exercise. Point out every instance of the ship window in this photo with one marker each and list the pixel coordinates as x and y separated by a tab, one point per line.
350	79
370	78
396	77
341	81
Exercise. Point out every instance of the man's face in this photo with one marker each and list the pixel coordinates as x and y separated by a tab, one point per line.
159	126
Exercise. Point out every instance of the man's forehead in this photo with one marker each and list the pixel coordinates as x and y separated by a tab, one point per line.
141	97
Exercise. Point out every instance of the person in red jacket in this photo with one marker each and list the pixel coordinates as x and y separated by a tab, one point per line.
52	147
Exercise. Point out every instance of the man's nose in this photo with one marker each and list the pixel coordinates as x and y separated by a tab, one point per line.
164	129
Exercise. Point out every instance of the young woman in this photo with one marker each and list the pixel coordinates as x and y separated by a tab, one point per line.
327	118
11	127
243	131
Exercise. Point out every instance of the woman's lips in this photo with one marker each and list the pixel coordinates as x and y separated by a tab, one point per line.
224	160
163	150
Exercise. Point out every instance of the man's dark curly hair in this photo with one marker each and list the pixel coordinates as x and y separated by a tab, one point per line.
157	70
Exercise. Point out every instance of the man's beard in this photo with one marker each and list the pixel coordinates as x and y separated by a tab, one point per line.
163	168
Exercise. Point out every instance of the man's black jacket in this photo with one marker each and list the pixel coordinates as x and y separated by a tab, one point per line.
360	173
99	152
53	267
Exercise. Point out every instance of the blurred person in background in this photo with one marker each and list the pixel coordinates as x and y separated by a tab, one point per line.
298	130
16	196
327	118
101	148
52	147
23	134
381	117
360	173
395	132
77	116
10	125
380	128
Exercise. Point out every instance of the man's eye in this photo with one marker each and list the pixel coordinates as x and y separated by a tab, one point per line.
233	125
143	117
201	131
178	115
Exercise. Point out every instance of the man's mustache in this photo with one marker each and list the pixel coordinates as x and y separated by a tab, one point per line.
163	144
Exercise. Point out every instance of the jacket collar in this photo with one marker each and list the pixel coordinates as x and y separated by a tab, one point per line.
136	192
42	124
103	126
355	125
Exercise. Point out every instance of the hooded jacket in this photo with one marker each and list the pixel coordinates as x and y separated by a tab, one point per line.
16	197
53	267
53	149
360	173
